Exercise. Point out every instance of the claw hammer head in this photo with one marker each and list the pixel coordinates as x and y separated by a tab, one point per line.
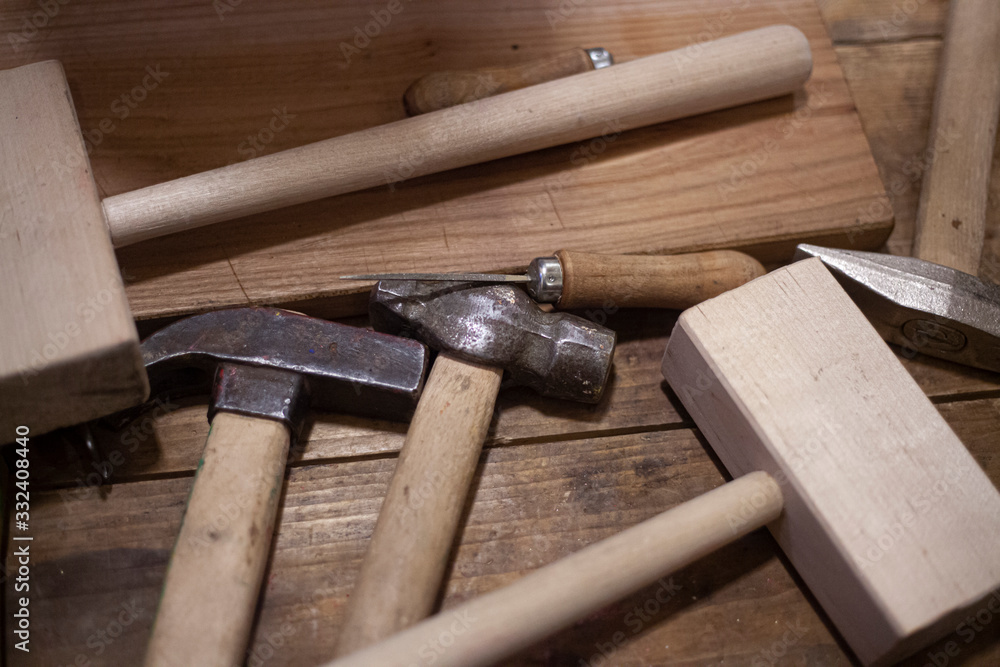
921	306
556	354
274	363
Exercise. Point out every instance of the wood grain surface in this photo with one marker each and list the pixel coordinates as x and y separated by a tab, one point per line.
554	477
222	86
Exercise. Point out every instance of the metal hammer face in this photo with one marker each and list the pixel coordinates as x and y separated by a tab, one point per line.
275	363
556	354
920	305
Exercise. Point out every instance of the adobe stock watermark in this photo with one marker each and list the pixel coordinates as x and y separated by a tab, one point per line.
562	13
256	143
363	35
635	620
121	619
33	23
433	649
786	127
120	109
967	630
912	171
714	28
907	520
902	13
47	350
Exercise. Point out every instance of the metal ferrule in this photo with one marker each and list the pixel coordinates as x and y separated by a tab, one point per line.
545	279
601	57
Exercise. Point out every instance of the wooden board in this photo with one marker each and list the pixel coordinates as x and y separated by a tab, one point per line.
117	547
786	375
105	553
758	178
69	350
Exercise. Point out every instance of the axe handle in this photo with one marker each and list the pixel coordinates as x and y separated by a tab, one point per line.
657	281
440	90
498	624
951	217
401	574
207	606
703	77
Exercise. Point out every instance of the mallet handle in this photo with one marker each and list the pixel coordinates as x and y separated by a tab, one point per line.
402	571
505	621
951	217
734	70
440	90
658	281
207	606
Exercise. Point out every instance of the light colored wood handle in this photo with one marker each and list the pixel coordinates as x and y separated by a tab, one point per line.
503	622
213	580
651	281
734	70
951	217
440	90
401	574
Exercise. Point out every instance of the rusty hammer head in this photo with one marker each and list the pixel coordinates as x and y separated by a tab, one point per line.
919	305
556	354
274	363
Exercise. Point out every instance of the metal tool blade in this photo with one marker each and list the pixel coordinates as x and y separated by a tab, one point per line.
921	306
450	277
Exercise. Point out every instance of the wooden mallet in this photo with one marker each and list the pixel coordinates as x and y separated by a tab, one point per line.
876	503
68	345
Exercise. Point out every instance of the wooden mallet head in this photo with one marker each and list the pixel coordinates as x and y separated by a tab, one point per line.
69	351
887	518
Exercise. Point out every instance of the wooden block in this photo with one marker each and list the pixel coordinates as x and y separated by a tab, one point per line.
69	351
888	519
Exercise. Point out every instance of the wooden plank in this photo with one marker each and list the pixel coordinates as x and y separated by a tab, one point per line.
69	350
883	20
680	186
893	87
102	558
785	375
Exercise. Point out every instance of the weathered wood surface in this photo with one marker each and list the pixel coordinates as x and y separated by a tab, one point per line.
732	608
97	558
225	85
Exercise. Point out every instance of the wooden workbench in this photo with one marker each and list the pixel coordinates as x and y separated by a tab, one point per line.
553	478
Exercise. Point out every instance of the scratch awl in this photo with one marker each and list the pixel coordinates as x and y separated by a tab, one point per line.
587	280
440	90
919	305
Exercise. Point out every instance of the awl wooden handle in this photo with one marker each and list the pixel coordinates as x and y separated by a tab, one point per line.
951	217
651	281
401	574
734	70
207	607
501	623
440	90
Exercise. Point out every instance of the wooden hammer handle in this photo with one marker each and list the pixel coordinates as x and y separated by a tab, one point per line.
505	621
651	281
440	90
213	579
734	70
951	217
402	571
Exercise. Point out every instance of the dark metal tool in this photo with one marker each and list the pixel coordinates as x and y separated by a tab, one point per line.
921	306
265	368
480	331
584	280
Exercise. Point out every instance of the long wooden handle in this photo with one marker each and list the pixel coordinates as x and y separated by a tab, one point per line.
401	574
951	217
645	281
213	580
734	70
503	622
440	90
